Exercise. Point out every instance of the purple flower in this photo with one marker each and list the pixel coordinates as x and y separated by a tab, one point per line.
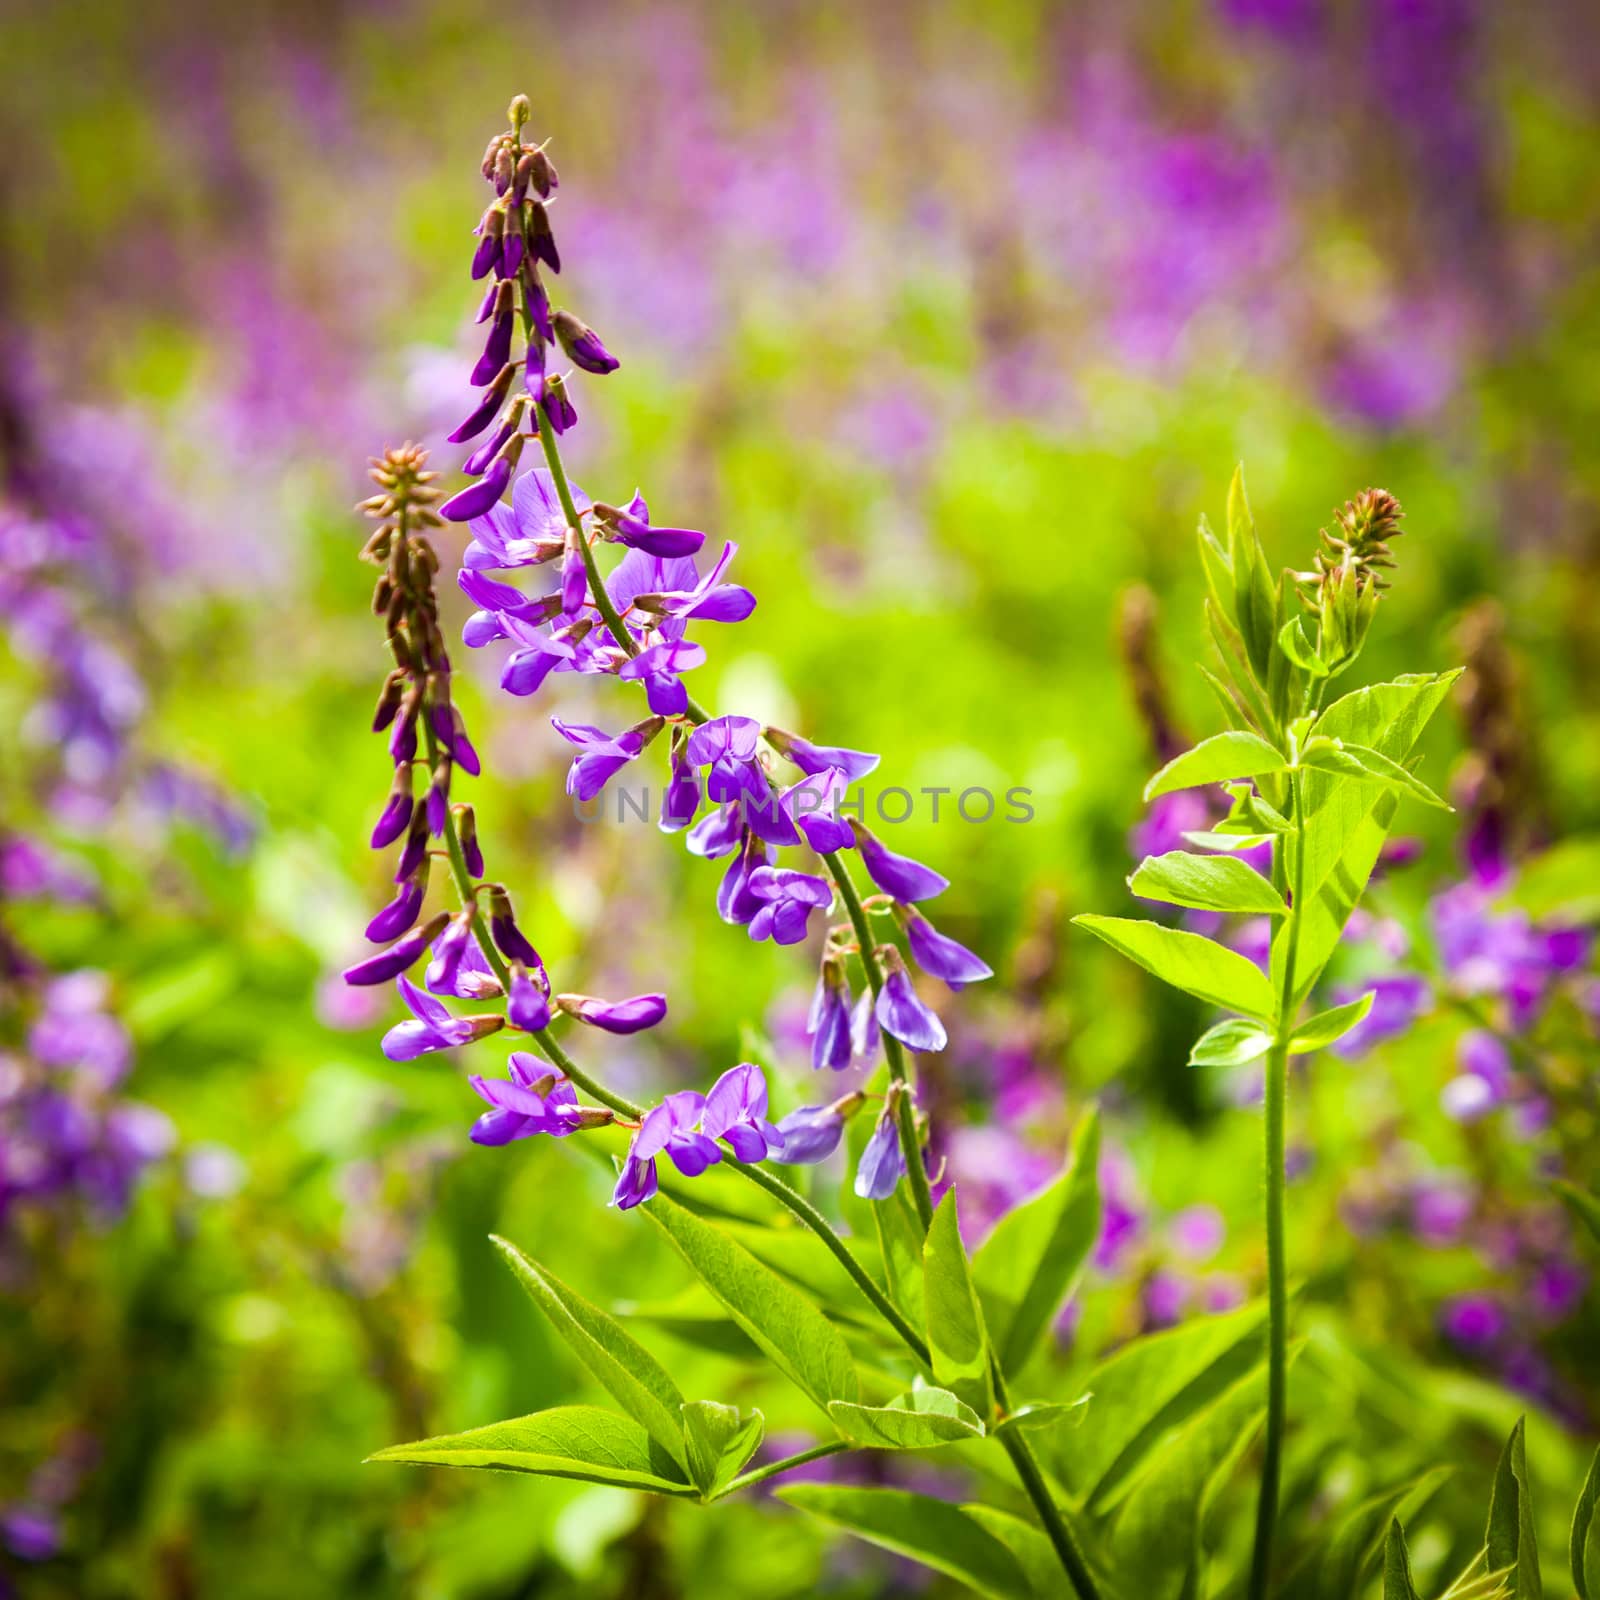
815	758
631	526
557	406
582	344
531	530
1474	1321
789	899
728	746
396	814
431	1027
30	1535
708	599
941	955
897	875
521	1107
541	653
672	1129
615	1016
477	498
636	1183
601	756
397	958
883	1163
1440	1212
829	1020
659	667
736	901
715	834
812	805
811	1134
682	797
864	1032
736	1111
901	1013
528	1005
402	911
1198	1232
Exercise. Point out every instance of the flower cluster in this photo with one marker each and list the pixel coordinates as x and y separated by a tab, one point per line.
633	624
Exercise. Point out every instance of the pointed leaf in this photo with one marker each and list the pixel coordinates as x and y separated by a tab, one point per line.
807	1348
1356	761
1583	1548
1232	1043
618	1361
900	1241
1222	756
1206	839
1318	1032
956	1336
1510	1537
933	1532
1398	1583
1033	1416
1357	1542
1031	1261
568	1442
1206	883
1296	644
720	1442
1254	600
919	1419
1187	961
1150	1386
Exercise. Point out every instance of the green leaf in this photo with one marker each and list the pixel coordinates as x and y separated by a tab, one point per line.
1155	1539
1561	883
806	1347
1150	1386
920	1527
1207	839
720	1442
618	1362
900	1240
1197	965
1585	1206
1031	1261
1356	761
1206	883
1254	599
1033	1416
1398	1583
1231	1043
956	1334
1318	1032
1358	1540
1223	755
1296	644
1344	824
568	1442
1510	1537
919	1419
1583	1548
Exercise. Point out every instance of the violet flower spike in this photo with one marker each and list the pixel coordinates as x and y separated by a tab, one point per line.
402	911
528	1006
519	1109
397	958
477	498
828	1022
431	1027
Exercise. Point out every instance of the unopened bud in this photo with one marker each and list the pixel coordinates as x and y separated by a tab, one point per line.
518	112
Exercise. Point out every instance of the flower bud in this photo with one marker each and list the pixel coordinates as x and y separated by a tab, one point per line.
556	405
467	833
582	344
541	241
518	112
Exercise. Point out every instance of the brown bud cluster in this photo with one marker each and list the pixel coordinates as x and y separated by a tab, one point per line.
1359	541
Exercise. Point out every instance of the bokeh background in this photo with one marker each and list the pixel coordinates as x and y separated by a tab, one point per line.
956	318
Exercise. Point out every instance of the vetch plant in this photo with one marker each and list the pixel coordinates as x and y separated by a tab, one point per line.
952	1332
1320	784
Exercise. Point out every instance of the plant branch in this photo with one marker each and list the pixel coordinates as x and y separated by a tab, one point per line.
760	1474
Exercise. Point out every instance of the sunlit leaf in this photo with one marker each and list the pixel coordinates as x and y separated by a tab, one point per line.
1583	1547
956	1334
1510	1537
1356	761
720	1441
1318	1032
568	1442
1397	1580
1031	1260
1206	883
919	1419
1224	755
1231	1043
1198	966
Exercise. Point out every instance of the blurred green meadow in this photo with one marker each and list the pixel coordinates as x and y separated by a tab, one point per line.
956	319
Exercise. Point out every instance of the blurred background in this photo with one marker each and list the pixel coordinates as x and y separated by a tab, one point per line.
955	318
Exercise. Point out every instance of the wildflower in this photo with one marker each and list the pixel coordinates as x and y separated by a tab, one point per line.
601	756
814	758
528	1004
864	1033
715	834
659	666
431	1026
398	957
829	1020
939	954
883	1162
897	875
682	798
899	1010
402	911
789	898
534	1100
668	1129
614	1016
737	902
812	1133
728	746
582	344
632	528
706	599
812	806
736	1112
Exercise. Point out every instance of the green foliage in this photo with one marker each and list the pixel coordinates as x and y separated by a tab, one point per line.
1233	1042
1206	883
920	1419
1511	1541
1197	965
1397	1580
1328	1027
956	1335
1583	1546
1222	756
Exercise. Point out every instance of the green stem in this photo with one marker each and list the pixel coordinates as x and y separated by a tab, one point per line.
893	1050
788	1464
1277	1094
